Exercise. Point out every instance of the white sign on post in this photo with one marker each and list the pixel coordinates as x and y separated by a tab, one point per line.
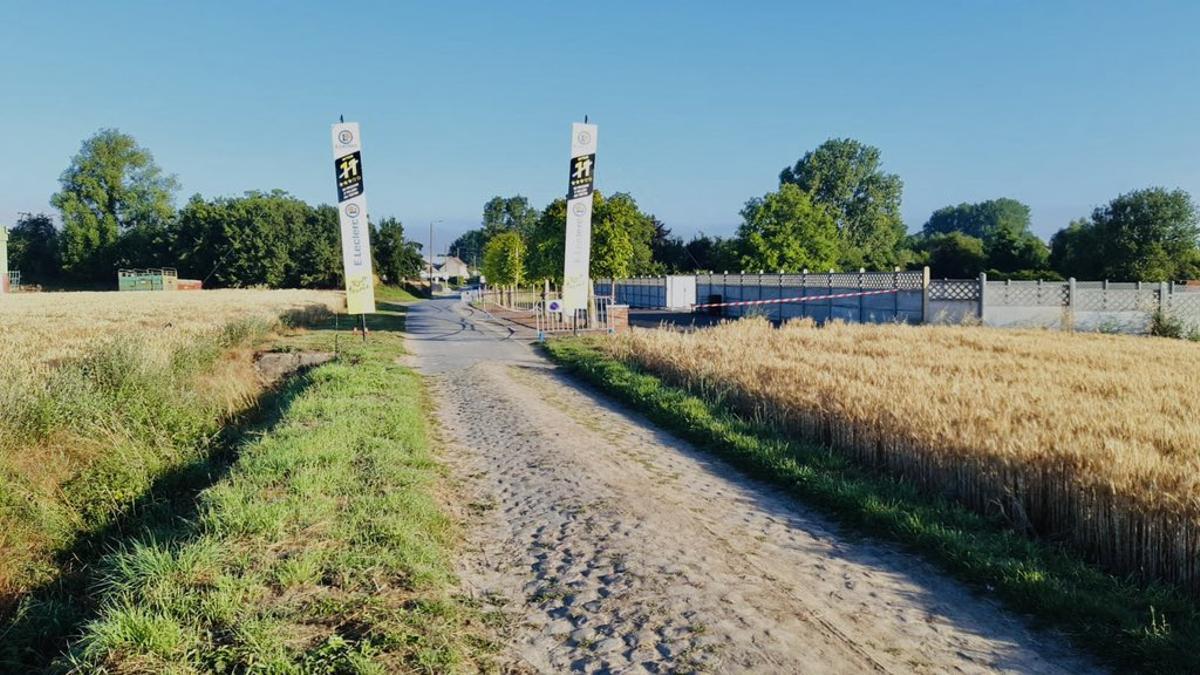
579	218
352	216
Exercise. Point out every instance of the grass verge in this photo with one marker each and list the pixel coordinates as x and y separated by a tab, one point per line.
1131	625
322	550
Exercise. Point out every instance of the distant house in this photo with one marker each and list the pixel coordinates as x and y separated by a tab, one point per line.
445	268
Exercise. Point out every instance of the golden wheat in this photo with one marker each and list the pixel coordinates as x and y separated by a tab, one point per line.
1090	438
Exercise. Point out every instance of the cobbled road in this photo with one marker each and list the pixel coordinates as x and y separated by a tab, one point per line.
614	547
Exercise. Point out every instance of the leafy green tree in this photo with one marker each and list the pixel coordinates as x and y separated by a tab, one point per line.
667	253
270	239
844	176
621	239
982	220
398	259
1074	251
1147	234
1012	250
955	255
504	259
33	249
784	230
468	247
113	189
713	254
547	243
1003	226
508	214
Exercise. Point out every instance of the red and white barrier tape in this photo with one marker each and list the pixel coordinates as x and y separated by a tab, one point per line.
803	298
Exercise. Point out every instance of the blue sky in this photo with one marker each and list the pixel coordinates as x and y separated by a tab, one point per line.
1062	105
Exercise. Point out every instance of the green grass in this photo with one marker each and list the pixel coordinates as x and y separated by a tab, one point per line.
321	550
387	293
1127	624
311	543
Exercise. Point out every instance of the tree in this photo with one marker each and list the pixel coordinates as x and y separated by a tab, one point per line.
621	239
1003	226
508	214
270	239
955	255
844	176
468	247
784	230
398	259
1012	251
1073	251
713	254
982	220
33	249
112	190
504	260
667	253
1144	235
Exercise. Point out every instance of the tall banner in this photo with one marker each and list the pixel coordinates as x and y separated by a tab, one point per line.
352	216
579	217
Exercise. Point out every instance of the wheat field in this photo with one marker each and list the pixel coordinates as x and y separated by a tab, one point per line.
1087	438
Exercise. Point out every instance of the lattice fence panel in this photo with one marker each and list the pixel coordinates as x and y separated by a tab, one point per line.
1026	294
953	289
1115	300
1185	306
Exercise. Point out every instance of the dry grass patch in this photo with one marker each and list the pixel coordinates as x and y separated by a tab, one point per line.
1087	438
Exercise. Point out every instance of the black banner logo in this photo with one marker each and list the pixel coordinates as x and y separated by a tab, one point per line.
583	175
349	176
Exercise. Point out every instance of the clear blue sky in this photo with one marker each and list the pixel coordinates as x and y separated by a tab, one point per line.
1062	105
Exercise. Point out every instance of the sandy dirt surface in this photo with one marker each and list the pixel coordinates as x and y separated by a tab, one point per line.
614	547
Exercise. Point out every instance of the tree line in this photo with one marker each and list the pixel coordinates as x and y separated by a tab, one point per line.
116	208
836	208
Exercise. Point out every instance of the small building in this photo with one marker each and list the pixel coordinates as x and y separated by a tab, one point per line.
447	268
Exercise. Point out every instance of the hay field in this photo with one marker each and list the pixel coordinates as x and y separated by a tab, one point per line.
1088	438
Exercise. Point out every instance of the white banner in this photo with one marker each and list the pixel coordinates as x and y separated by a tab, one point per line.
579	217
352	216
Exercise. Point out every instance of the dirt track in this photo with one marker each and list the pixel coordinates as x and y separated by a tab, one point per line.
615	547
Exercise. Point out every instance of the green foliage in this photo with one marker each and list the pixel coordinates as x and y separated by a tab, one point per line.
1003	227
955	256
983	220
784	230
621	239
268	239
326	526
34	249
1145	235
547	243
116	207
844	176
396	258
508	214
504	260
1074	250
469	246
1133	625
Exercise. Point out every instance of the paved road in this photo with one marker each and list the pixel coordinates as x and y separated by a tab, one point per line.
616	548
